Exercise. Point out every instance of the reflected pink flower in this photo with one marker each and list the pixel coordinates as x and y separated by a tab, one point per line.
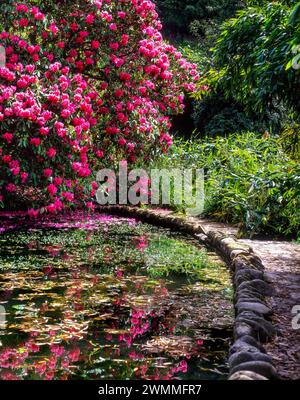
74	354
40	368
141	243
48	270
181	367
34	348
65	364
49	376
8	376
57	350
135	356
143	369
52	362
32	245
33	213
119	273
108	337
128	340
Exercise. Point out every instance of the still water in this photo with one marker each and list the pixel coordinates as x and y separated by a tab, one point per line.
102	297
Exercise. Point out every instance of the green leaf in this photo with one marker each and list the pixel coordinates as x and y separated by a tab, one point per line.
295	16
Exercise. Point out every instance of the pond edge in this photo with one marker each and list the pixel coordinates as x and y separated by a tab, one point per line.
248	359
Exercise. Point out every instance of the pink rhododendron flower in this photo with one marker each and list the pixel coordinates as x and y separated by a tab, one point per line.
52	189
90	19
48	172
69	112
74	354
8	137
11	187
51	152
35	141
33	213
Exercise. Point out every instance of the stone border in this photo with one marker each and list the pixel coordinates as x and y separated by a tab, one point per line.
247	357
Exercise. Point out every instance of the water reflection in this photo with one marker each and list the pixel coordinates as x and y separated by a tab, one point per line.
87	297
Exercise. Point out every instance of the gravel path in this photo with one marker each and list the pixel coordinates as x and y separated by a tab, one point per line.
282	264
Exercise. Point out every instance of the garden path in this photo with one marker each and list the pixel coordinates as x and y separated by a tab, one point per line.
282	265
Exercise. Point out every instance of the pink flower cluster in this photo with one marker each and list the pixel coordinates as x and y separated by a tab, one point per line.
87	90
47	368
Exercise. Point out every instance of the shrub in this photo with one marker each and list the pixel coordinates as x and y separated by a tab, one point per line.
248	180
215	115
87	83
214	112
194	16
254	57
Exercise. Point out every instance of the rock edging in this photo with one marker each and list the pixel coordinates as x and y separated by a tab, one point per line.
252	328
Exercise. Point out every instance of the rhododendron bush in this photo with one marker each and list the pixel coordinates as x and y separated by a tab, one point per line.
86	83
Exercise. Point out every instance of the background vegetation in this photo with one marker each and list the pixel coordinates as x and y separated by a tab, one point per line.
242	124
246	110
249	180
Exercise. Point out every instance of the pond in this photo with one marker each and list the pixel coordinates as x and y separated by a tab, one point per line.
101	297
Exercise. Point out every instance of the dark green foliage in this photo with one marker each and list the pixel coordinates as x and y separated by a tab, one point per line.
194	16
217	116
219	111
249	180
6	9
255	57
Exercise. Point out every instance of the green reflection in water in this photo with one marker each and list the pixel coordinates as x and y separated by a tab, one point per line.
109	298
